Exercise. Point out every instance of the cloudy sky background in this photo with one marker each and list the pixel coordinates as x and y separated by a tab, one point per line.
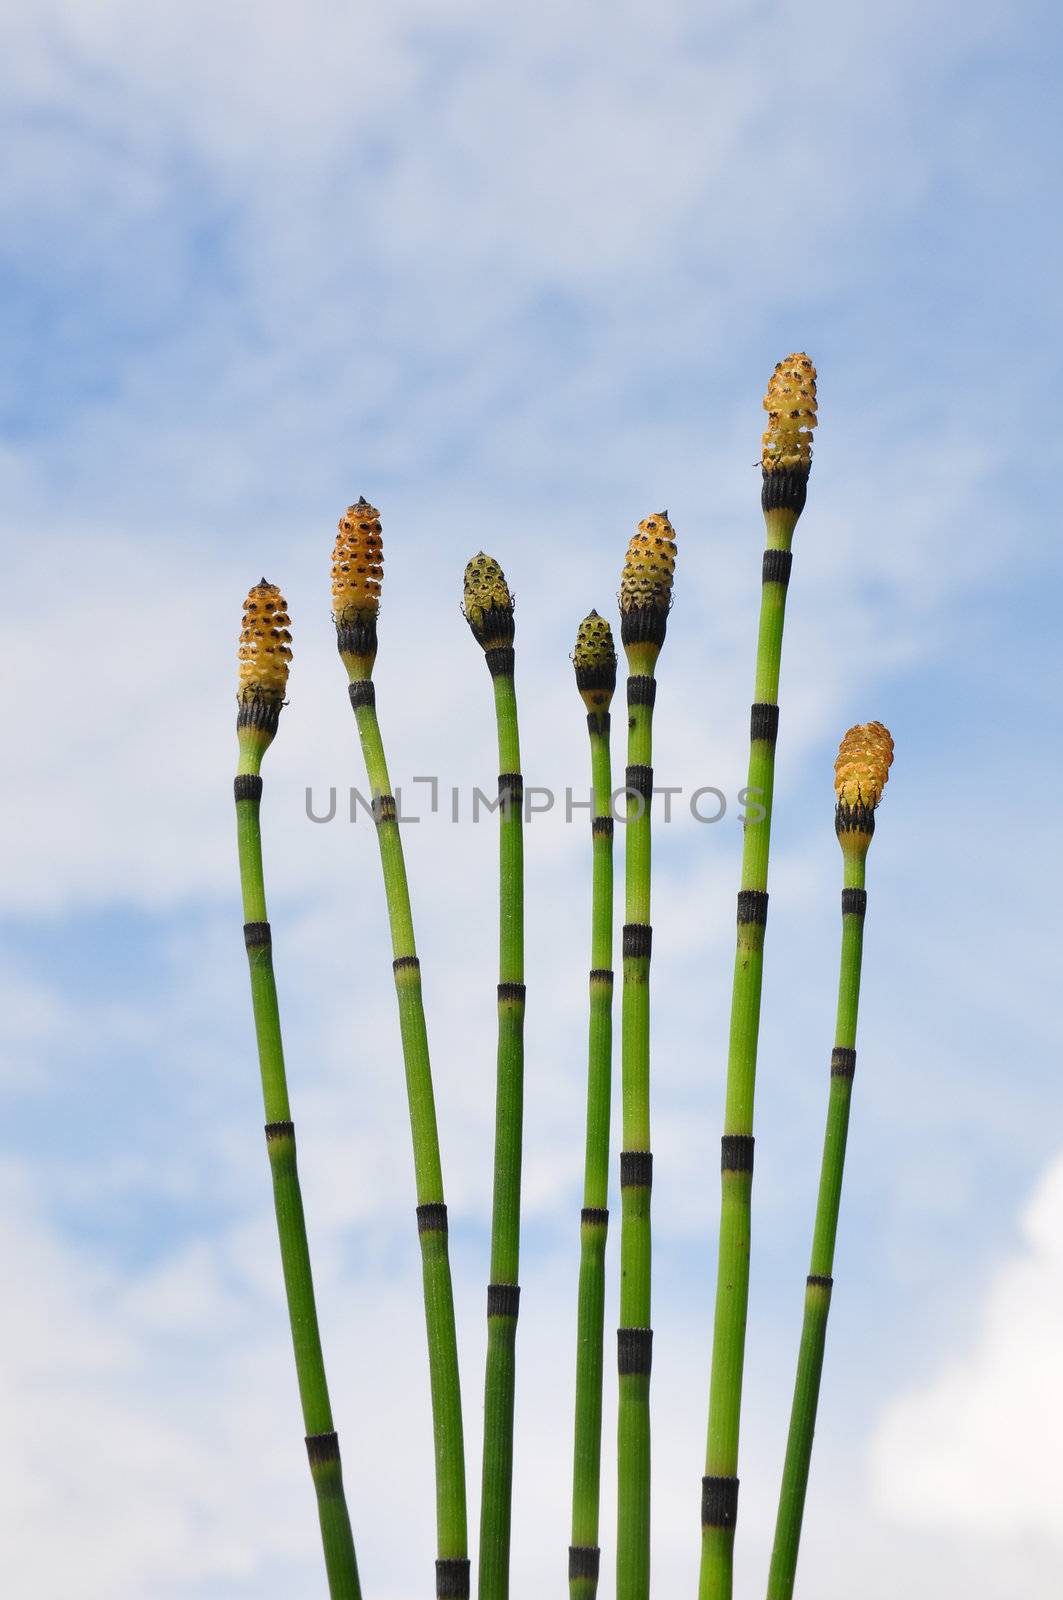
521	279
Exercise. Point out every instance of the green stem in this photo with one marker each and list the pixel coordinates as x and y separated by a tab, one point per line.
594	1219
634	1339
503	1292
451	1521
820	1281
720	1485
321	1442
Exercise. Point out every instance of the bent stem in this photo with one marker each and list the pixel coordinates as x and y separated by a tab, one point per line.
322	1443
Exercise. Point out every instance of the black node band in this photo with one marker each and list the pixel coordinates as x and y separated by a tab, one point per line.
510	789
247	786
784	489
736	1152
816	1280
432	1217
602	975
644	625
602	828
641	690
854	902
257	934
753	906
279	1130
260	711
503	1300
636	1169
362	693
452	1579
842	1062
321	1448
513	992
406	964
719	1502
764	721
594	1217
854	819
384	808
599	722
637	941
500	660
639	780
583	1562
600	679
634	1352
776	566
357	638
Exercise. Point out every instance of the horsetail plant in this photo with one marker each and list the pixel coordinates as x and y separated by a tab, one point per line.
594	659
264	656
860	775
645	600
357	571
488	607
786	462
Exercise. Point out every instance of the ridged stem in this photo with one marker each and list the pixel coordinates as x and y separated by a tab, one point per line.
321	1442
594	1220
720	1485
820	1280
503	1295
452	1571
634	1337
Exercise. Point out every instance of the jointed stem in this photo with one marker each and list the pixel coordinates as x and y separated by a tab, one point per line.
720	1487
503	1291
594	1222
322	1444
634	1335
451	1523
820	1281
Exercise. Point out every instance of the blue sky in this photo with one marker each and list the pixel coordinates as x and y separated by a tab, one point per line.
521	279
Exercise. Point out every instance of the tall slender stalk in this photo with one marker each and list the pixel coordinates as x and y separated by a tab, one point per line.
861	771
264	656
356	579
786	460
489	613
594	659
645	598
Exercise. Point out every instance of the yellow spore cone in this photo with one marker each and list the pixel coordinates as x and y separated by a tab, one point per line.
649	568
862	769
791	406
488	603
594	659
265	645
357	566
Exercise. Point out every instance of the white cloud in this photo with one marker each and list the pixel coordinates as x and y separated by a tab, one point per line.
977	1447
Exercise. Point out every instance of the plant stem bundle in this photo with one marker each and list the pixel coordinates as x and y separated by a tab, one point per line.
594	659
786	461
645	599
264	656
861	772
356	579
489	613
